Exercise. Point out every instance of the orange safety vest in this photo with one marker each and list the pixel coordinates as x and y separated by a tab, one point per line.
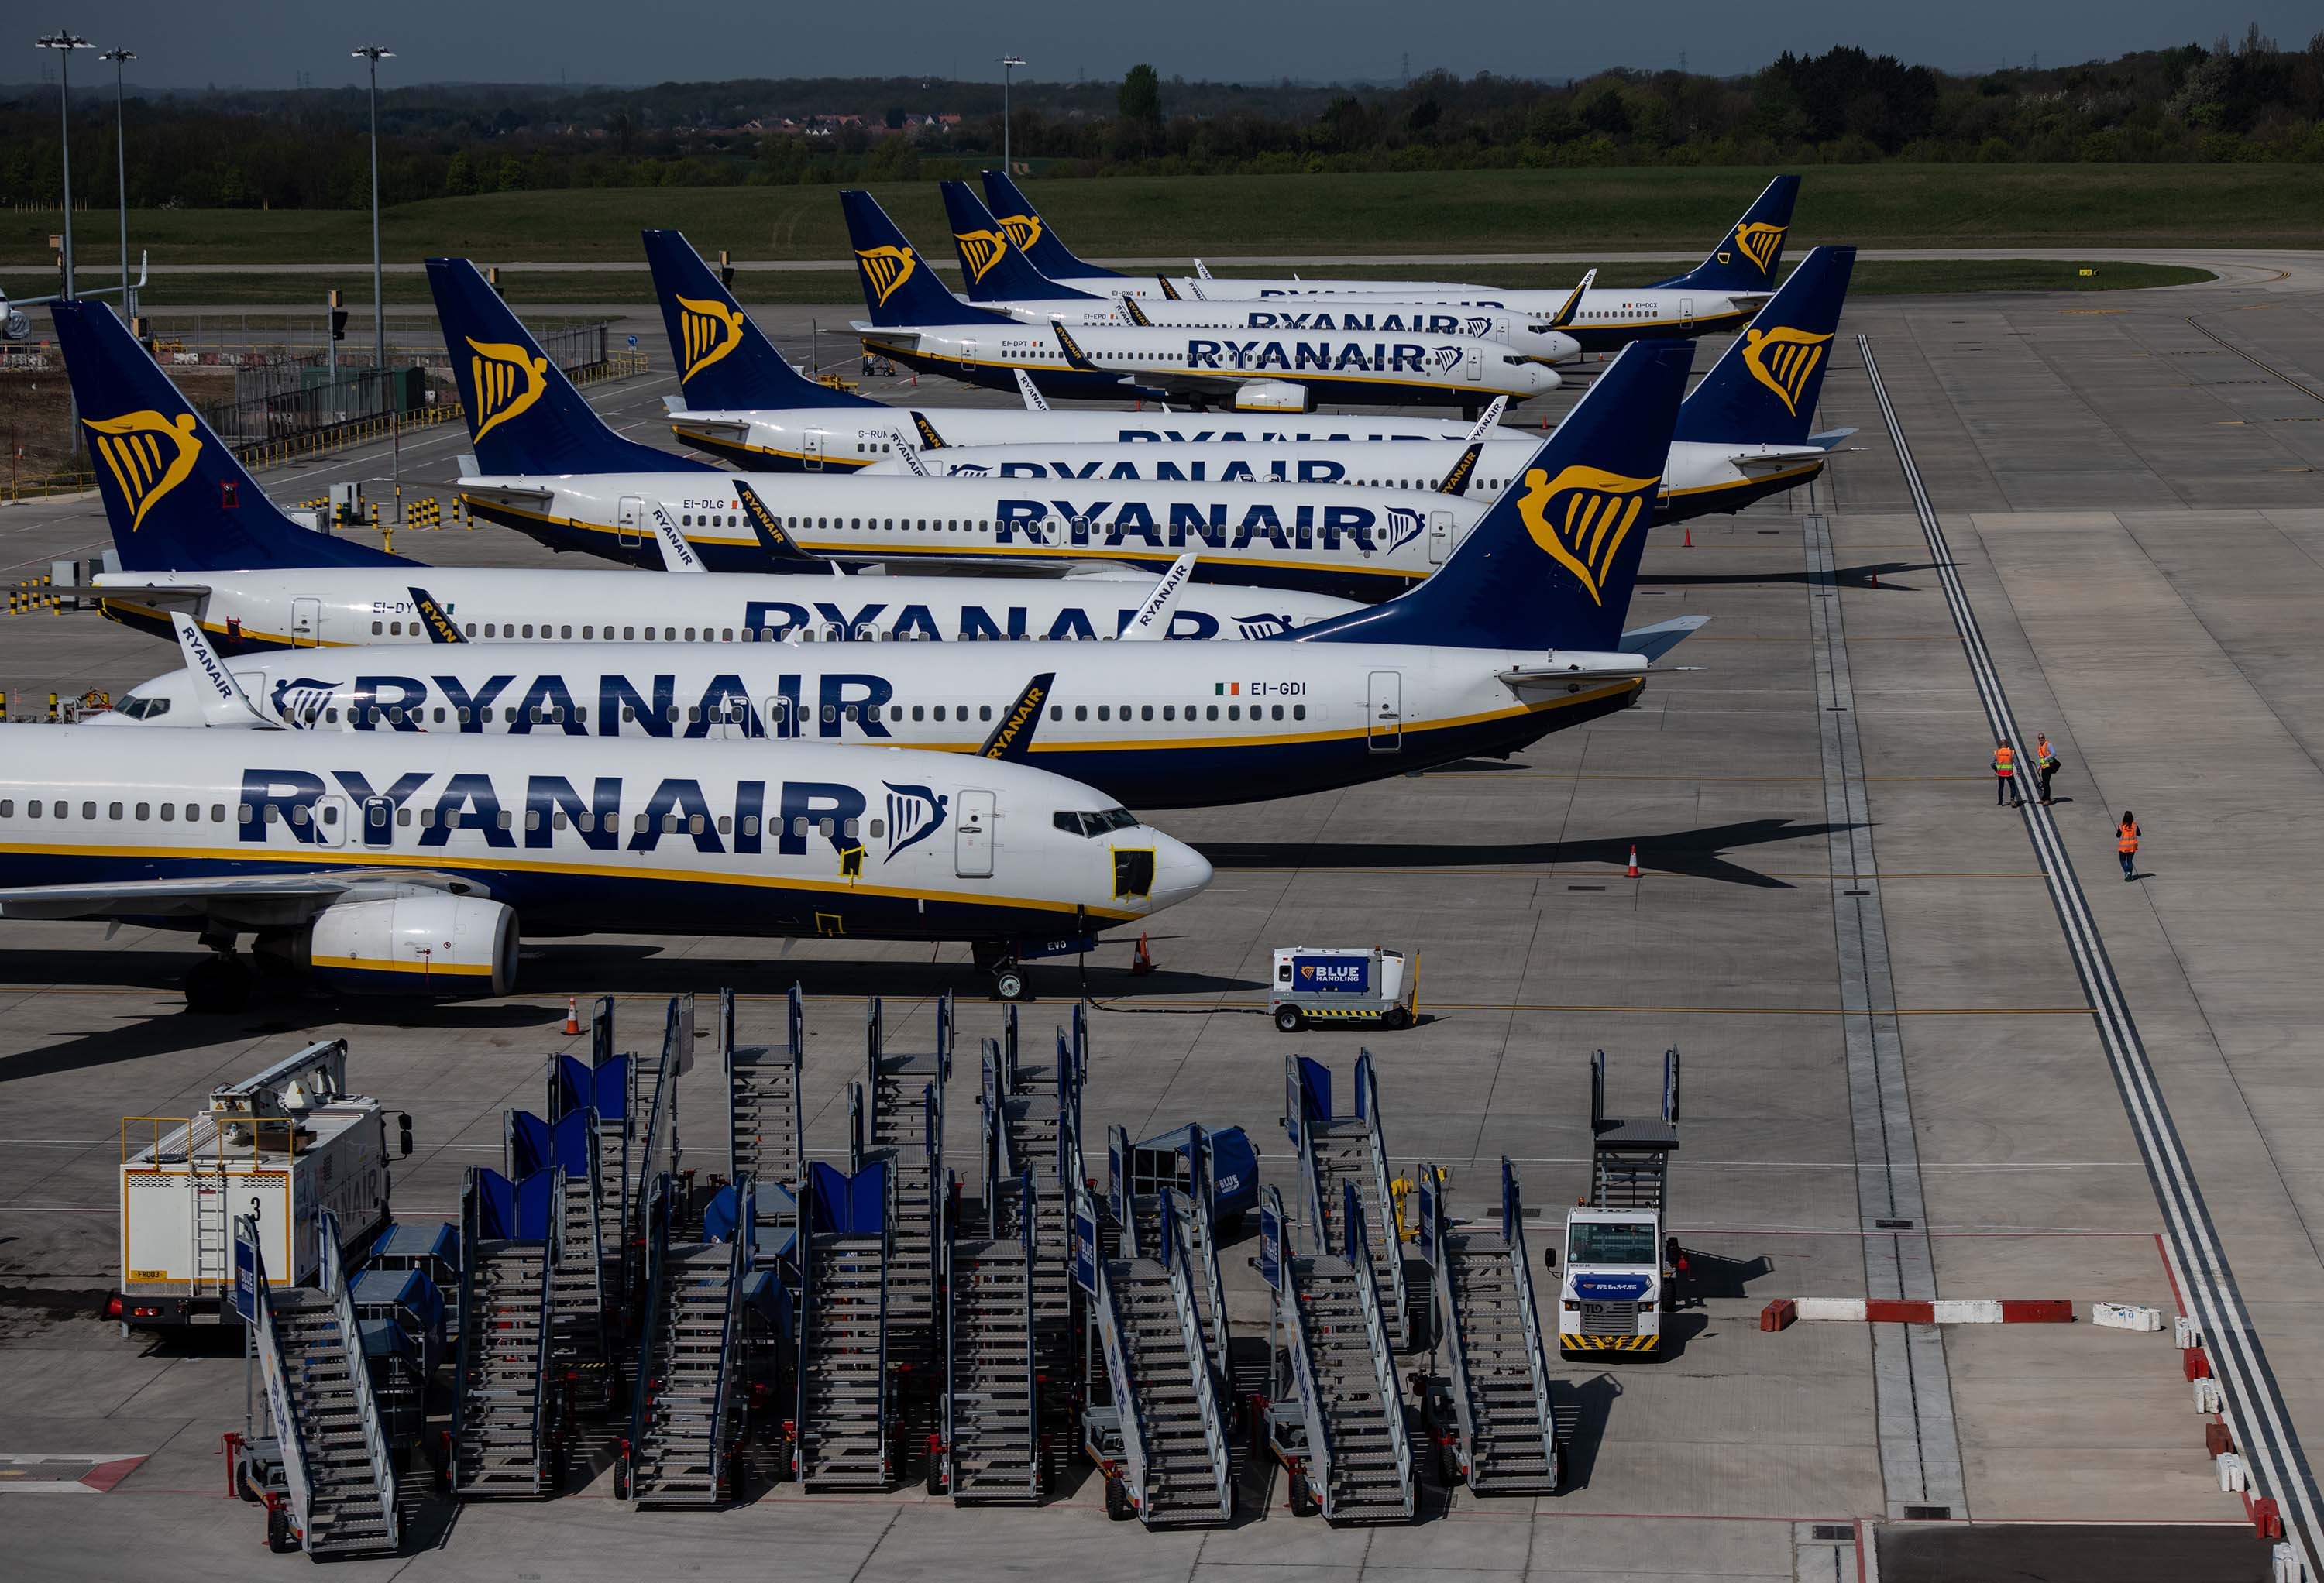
2005	762
2126	839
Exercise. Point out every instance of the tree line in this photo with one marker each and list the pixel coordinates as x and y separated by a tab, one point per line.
2236	100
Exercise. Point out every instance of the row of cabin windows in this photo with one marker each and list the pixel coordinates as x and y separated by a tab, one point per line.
777	709
377	816
831	632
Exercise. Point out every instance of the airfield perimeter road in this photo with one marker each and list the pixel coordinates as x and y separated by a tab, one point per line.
1857	953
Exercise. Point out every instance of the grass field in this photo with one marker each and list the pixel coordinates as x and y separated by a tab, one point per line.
806	288
1481	211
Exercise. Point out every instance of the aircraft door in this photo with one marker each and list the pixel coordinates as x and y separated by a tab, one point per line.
730	719
330	816
630	521
971	838
968	354
776	715
1440	537
1384	712
306	622
1472	366
1686	310
811	451
376	814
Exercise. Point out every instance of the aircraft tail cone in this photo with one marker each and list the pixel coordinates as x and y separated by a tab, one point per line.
1633	872
572	1015
1143	962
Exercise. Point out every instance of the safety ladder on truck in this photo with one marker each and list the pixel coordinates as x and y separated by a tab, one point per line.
1350	1149
1337	1410
1162	1442
903	1124
685	1417
840	1436
338	1474
1503	1428
578	1332
991	1446
509	1407
1630	1158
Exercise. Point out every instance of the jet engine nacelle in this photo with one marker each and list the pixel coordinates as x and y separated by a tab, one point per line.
1274	395
443	947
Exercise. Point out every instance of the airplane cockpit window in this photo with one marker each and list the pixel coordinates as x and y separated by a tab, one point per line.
136	708
1094	825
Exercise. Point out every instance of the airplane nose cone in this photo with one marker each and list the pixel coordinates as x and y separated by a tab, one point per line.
1180	872
1561	346
1545	379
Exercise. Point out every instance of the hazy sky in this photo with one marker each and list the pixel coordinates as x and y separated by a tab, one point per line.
265	44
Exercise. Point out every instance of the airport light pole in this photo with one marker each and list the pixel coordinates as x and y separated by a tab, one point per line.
374	54
1008	63
64	44
121	58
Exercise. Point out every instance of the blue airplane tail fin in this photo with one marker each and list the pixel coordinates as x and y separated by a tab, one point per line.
1763	390
175	495
1031	233
1746	258
523	414
994	269
725	362
898	286
1553	563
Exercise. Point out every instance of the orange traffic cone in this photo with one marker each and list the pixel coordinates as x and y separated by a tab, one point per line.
1633	873
1689	540
1143	962
572	1015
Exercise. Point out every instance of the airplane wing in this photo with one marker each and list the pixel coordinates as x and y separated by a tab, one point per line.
1034	400
1012	735
223	703
1152	621
1765	459
676	554
249	900
1652	643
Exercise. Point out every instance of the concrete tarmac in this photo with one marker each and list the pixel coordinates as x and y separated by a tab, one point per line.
2133	507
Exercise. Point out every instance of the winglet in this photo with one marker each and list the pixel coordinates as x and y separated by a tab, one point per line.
1013	737
223	703
1034	400
676	554
930	440
1485	421
1463	469
1132	312
1574	302
769	528
909	455
1074	356
1202	270
1152	621
441	629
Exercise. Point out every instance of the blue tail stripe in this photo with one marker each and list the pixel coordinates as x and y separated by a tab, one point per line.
899	288
1048	255
523	414
1551	564
726	364
1763	389
991	266
177	498
1748	258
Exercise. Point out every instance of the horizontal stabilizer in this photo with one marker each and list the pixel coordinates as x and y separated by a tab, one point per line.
1651	644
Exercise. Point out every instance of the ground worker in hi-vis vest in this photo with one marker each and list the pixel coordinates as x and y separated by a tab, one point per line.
2126	843
2004	774
2046	765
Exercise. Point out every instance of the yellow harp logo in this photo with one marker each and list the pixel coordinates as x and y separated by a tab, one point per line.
981	250
1024	230
1782	359
709	330
1581	518
886	268
507	379
148	455
1758	242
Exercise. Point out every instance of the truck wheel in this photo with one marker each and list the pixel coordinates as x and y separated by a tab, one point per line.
1451	1464
1304	1503
1289	1019
1395	1018
279	1537
220	986
1117	1501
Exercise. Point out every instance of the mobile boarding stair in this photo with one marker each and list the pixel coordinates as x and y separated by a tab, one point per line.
1352	1149
602	1086
1335	1415
1494	1422
338	1472
1152	1181
902	1123
990	1449
841	1437
1159	1433
1630	1158
1030	1102
765	1125
580	1324
691	1410
510	1415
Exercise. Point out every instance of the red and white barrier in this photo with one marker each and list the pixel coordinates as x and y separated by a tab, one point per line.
1975	1311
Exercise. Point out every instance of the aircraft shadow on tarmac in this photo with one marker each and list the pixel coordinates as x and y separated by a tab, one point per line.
1696	854
1852	578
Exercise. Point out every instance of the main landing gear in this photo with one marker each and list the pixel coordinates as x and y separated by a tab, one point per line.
221	985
